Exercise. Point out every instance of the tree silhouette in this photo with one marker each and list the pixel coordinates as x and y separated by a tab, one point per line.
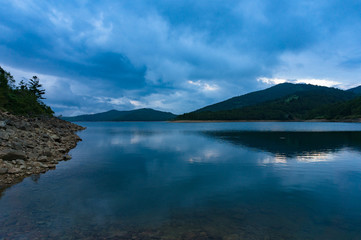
35	87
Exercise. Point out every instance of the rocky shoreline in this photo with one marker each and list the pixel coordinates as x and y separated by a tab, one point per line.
33	145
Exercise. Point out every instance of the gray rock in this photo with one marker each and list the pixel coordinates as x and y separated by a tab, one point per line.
45	136
3	170
23	126
33	155
67	157
43	159
56	138
17	146
12	155
4	135
29	144
62	150
2	124
40	165
14	170
48	153
19	161
8	165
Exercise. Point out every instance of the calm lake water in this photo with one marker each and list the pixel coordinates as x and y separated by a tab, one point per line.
196	181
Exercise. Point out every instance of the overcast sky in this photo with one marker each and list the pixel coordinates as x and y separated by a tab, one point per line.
177	56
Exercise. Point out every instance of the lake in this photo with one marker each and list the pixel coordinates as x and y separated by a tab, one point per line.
161	180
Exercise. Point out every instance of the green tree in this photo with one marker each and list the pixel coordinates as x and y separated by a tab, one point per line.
24	99
35	87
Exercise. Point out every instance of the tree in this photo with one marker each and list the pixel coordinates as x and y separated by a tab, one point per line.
23	86
35	87
24	99
6	79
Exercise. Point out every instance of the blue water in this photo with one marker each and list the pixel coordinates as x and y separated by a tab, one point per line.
196	181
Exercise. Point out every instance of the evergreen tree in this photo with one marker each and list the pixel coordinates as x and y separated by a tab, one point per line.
23	99
35	87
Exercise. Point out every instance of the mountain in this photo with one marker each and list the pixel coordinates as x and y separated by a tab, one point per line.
285	101
269	94
356	90
143	114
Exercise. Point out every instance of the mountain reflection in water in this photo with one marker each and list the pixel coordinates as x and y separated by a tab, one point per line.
291	144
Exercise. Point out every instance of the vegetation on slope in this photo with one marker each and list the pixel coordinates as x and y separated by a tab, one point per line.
273	93
340	111
144	114
24	99
355	90
312	102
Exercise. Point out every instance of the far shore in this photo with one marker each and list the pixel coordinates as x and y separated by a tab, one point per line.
312	120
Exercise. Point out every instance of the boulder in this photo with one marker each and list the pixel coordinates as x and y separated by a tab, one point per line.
62	150
12	155
40	165
17	145
3	170
33	155
19	161
48	153
2	124
29	144
43	159
24	126
14	170
55	137
4	135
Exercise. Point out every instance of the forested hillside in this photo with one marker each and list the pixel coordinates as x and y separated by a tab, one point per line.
24	98
289	102
143	114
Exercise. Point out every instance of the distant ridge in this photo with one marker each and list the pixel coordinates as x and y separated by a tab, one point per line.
287	102
143	114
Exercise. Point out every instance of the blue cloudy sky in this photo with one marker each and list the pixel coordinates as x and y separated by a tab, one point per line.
177	56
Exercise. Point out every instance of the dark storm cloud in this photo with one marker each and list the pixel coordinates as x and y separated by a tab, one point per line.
175	55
